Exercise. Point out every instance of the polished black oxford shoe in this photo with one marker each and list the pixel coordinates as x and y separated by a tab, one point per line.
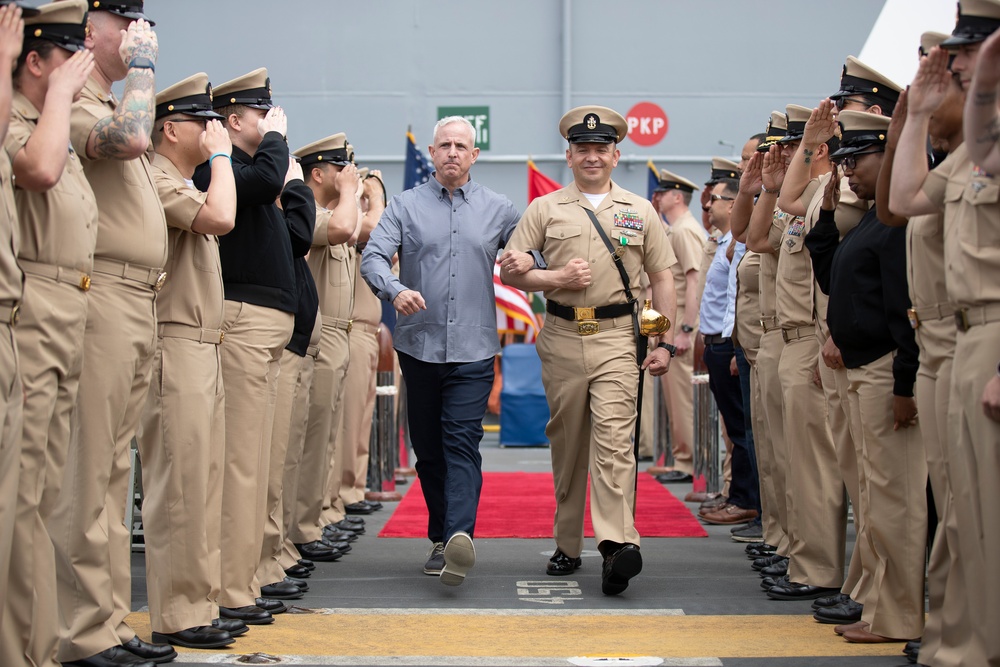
334	535
777	570
830	600
842	614
158	653
619	567
280	590
298	571
116	656
306	563
301	585
250	614
794	591
342	547
345	525
202	636
674	477
560	564
271	606
766	561
233	626
358	508
374	504
316	551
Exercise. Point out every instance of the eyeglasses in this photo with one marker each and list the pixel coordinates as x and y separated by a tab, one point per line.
841	102
851	161
716	198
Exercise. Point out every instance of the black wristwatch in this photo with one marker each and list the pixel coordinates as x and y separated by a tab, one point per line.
672	349
687	328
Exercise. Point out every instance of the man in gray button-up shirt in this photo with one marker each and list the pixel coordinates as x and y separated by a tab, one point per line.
447	233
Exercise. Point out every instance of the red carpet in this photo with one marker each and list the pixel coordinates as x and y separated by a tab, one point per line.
522	504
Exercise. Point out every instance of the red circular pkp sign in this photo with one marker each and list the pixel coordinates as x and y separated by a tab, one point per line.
647	124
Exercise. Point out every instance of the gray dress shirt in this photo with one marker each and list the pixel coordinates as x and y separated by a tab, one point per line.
447	248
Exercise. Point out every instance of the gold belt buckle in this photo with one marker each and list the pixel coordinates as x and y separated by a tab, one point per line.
84	283
350	325
911	314
588	327
584	314
160	280
15	314
962	320
222	337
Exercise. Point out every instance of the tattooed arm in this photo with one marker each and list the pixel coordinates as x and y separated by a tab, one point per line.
982	121
125	134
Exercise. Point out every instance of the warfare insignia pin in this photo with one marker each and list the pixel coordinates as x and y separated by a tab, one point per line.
591	122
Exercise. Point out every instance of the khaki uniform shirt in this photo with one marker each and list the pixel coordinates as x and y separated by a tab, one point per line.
769	267
557	225
748	330
333	270
59	226
687	239
193	295
925	261
969	197
131	225
367	307
11	278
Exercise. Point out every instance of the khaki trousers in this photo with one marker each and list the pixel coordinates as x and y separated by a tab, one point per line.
772	453
894	476
182	444
290	391
590	384
359	405
678	395
10	450
251	363
296	447
977	506
947	639
89	526
814	489
50	342
317	454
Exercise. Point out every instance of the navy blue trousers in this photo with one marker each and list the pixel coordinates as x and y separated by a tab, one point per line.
445	406
743	490
744	367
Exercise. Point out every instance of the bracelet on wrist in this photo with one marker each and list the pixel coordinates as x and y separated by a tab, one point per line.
142	63
770	192
225	155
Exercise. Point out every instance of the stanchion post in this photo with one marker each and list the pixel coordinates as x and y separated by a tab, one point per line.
707	469
663	453
383	458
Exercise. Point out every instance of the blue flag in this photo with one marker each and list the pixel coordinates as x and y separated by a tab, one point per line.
418	168
654	179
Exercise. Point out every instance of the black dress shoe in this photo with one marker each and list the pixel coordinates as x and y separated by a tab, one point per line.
202	636
354	519
619	567
250	614
912	650
233	626
760	550
317	552
334	535
830	600
298	571
674	477
778	569
308	564
374	504
794	591
358	508
842	614
766	561
271	606
342	547
301	585
767	582
280	590
560	564
158	653
116	656
349	526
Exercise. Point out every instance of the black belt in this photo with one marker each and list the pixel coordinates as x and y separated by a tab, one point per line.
715	339
599	313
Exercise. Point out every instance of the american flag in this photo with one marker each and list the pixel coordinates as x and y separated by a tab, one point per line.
514	312
418	168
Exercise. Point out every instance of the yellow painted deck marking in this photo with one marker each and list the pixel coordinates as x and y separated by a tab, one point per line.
546	636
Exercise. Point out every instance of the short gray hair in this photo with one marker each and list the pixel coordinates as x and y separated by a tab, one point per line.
448	120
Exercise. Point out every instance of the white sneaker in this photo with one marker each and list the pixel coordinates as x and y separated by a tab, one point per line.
459	557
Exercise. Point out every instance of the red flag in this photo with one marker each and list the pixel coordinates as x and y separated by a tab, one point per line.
538	183
514	313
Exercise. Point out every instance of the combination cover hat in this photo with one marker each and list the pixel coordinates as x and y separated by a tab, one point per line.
191	97
130	9
330	150
593	125
62	23
251	90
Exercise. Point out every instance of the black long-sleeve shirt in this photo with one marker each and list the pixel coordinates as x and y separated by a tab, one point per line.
865	277
257	255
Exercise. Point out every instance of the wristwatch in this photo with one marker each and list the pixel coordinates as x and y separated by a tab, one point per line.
142	63
672	349
687	328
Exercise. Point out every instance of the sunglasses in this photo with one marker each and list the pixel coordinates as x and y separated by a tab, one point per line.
715	198
841	102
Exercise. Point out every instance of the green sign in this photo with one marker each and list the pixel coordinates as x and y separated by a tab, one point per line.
478	116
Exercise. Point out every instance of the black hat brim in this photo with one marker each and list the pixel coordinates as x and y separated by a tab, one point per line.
208	115
135	16
26	12
844	151
789	138
595	138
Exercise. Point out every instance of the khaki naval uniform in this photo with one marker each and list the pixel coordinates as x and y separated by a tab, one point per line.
687	239
591	381
819	463
299	417
948	628
359	389
770	444
183	436
57	230
88	525
11	280
333	272
972	275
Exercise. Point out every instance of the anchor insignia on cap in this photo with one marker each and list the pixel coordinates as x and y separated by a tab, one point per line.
591	122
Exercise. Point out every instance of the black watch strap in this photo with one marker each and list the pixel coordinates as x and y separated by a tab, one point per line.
672	349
